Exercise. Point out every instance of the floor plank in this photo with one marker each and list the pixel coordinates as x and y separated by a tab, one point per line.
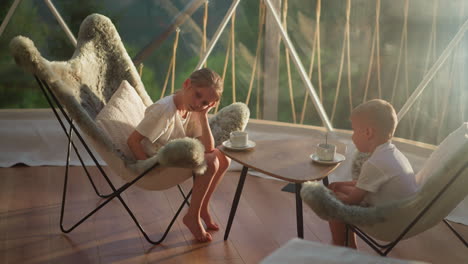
265	220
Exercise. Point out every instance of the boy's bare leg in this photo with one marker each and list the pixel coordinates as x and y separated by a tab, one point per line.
338	231
224	163
200	188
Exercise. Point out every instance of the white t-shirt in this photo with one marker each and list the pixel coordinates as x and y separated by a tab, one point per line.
387	175
162	123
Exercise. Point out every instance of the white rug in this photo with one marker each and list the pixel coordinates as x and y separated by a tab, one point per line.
34	137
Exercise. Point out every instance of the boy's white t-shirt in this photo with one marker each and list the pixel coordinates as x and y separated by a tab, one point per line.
162	123
387	176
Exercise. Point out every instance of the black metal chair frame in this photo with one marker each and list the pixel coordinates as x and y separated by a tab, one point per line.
384	249
116	192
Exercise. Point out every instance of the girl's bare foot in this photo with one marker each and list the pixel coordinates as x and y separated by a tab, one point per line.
208	221
196	228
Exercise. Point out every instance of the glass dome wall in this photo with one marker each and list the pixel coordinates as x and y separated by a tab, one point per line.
358	50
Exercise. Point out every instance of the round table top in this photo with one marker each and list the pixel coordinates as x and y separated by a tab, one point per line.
288	160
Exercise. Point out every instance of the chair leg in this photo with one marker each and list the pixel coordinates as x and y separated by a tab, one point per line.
456	233
50	97
346	235
170	224
183	194
368	240
299	216
109	197
117	194
65	184
70	141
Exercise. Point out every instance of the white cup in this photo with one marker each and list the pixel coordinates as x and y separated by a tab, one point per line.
326	151
239	139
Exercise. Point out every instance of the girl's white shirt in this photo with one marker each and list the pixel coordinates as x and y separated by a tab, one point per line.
162	123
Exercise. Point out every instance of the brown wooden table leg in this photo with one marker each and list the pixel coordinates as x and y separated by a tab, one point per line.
325	181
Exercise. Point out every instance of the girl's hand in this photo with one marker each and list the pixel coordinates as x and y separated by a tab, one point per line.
208	108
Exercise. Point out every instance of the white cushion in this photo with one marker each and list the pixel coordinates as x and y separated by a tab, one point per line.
445	151
121	115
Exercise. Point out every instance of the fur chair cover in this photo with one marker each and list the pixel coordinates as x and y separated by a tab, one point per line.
233	117
87	81
386	222
328	207
358	160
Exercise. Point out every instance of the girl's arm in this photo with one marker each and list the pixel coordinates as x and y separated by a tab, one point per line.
134	143
206	138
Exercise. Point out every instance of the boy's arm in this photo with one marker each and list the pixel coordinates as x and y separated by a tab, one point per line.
334	186
353	195
134	143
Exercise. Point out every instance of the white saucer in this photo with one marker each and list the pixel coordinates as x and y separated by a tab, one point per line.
250	145
338	158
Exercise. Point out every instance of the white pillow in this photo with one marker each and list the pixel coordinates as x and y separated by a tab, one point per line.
121	115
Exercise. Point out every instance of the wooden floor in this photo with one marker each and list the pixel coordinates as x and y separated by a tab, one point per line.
30	210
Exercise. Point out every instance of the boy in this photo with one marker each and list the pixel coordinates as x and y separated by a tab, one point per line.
385	176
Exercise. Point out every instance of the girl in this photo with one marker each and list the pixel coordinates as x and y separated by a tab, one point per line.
185	114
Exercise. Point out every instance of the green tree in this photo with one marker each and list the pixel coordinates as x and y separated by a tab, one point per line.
15	91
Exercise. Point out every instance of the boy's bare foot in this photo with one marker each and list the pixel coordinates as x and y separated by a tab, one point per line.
208	221
195	226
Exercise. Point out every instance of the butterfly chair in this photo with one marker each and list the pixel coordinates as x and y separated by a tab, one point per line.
98	96
442	186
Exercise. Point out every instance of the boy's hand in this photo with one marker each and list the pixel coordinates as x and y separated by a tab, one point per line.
338	186
332	186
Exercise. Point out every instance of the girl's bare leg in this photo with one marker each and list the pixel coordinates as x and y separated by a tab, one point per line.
201	186
224	163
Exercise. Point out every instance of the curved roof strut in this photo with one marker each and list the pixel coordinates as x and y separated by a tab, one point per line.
54	11
297	61
218	32
176	22
433	70
8	16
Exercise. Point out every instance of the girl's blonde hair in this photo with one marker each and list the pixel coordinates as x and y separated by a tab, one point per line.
380	115
206	77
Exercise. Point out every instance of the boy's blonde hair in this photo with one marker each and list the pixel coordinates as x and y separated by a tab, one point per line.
380	115
206	77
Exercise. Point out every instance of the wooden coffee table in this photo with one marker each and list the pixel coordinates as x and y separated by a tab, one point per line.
287	160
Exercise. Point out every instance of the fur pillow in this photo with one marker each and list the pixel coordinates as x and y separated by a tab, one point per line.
120	116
